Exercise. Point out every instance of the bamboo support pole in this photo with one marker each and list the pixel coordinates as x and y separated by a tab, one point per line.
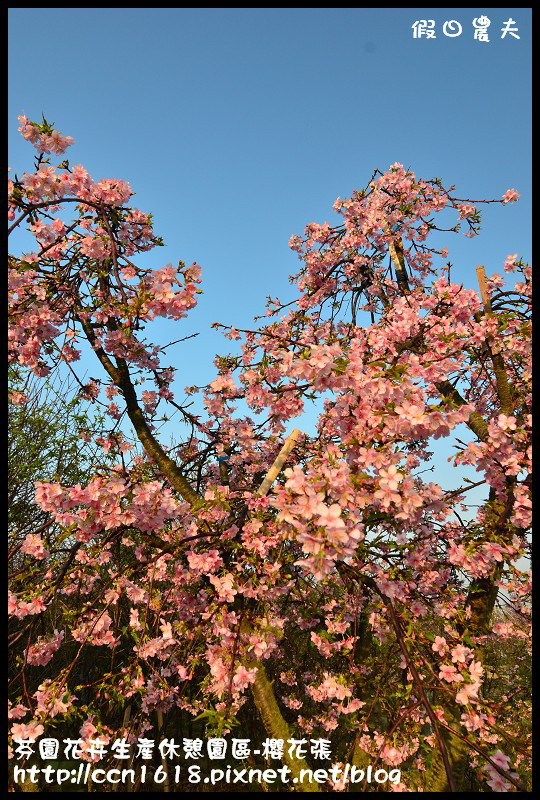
482	282
277	466
262	690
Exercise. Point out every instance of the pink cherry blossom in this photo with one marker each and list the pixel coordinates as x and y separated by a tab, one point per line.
460	654
468	692
33	546
448	673
439	645
27	731
510	196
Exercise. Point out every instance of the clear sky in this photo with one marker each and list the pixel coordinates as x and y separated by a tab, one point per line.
236	127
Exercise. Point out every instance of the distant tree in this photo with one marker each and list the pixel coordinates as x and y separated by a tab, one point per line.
44	443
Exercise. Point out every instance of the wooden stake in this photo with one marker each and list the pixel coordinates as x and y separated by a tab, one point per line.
482	282
164	764
277	466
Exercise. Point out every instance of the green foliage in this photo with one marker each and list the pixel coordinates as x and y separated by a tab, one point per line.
43	445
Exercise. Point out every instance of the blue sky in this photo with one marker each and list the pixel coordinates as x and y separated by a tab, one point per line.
236	127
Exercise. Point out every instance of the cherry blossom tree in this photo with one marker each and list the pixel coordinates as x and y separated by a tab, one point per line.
320	577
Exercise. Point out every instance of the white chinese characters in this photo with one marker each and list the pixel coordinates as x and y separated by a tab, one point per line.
452	28
424	27
481	25
509	29
95	750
